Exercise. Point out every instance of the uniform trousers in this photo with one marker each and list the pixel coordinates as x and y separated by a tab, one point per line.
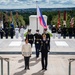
37	47
54	34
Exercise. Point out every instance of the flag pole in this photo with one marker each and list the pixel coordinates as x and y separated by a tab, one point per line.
36	16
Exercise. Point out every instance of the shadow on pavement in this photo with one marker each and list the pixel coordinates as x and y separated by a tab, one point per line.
20	73
41	72
36	61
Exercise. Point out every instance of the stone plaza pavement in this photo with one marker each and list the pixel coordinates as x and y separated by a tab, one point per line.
58	60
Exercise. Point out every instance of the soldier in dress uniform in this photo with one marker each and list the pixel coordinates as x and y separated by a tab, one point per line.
6	32
74	31
59	32
30	37
47	36
44	52
53	31
1	32
37	40
64	31
70	31
11	32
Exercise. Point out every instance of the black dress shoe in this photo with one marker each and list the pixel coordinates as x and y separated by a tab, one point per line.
42	68
24	68
45	68
28	68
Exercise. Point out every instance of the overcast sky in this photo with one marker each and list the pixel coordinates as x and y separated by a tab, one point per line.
14	4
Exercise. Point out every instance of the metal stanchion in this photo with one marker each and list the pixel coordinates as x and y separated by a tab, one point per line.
1	66
7	60
8	67
70	60
69	68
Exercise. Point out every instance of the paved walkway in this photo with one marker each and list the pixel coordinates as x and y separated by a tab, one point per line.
58	63
57	45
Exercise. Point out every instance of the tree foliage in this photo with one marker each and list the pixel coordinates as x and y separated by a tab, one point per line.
52	19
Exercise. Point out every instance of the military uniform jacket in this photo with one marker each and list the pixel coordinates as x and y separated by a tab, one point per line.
1	31
64	30
53	30
37	38
59	30
30	38
11	31
74	30
6	30
70	30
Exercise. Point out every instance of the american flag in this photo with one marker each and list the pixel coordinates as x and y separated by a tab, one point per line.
72	22
58	23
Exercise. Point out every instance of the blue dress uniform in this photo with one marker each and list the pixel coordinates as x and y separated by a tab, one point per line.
6	32
70	31
64	32
44	53
37	41
1	33
30	37
11	32
74	31
53	31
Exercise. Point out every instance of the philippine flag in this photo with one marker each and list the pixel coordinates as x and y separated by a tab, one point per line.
41	18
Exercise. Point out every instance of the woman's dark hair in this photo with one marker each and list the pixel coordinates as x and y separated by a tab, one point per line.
26	39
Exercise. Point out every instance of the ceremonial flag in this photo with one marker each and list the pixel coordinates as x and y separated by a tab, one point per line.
58	19
11	20
64	20
41	18
64	15
1	19
72	22
72	19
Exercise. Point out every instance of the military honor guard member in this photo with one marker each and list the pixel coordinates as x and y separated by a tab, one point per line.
1	32
70	31
30	37
37	41
16	32
64	32
54	31
44	52
6	32
74	31
11	32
